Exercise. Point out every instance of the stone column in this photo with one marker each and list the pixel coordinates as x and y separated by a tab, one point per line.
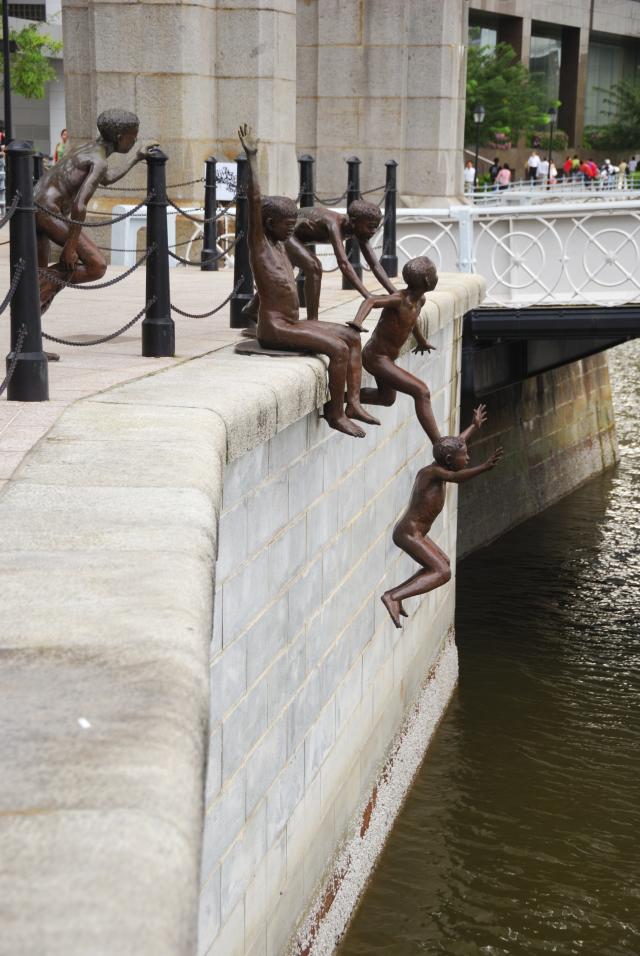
384	80
255	71
192	72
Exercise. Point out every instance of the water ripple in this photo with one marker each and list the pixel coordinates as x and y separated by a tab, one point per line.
520	833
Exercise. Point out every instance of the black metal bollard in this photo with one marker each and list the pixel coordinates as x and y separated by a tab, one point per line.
306	199
38	167
389	259
352	246
208	260
30	380
241	265
158	328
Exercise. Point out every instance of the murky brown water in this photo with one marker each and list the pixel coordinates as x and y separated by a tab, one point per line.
521	834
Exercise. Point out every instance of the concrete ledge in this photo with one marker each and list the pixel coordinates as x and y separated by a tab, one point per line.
109	531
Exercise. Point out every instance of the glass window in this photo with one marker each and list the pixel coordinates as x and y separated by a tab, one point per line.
545	58
480	35
608	63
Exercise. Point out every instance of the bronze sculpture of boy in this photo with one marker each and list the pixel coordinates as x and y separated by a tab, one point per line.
65	190
271	222
400	312
426	502
317	224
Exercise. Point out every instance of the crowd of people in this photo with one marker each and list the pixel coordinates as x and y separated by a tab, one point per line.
542	171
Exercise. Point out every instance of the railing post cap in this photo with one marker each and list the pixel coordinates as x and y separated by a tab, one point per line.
156	155
21	146
390	162
306	158
241	157
353	159
211	159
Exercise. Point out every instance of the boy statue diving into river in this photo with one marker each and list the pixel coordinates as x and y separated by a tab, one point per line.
426	502
271	222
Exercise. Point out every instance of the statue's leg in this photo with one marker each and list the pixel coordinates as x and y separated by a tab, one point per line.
302	257
435	572
392	377
321	337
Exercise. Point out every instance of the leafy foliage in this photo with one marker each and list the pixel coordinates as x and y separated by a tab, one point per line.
30	68
514	98
624	131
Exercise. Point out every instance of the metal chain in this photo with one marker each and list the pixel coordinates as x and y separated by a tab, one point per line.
206	315
330	202
139	189
22	334
220	255
63	283
104	338
187	215
12	208
15	281
375	189
95	225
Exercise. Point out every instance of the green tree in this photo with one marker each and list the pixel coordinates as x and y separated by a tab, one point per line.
514	99
30	68
624	131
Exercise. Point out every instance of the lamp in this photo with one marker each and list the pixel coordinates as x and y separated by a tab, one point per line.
553	116
478	118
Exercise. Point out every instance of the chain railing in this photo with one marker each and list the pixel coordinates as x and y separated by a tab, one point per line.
13	360
93	225
207	315
103	338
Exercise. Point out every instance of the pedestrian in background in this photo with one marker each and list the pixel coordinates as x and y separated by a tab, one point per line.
503	179
469	176
533	164
61	147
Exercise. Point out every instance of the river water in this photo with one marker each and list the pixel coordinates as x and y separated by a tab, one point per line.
521	834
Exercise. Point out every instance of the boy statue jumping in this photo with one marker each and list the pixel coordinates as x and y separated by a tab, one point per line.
426	502
400	312
271	223
65	190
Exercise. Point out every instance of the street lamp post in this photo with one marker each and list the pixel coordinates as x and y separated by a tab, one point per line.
553	116
478	119
6	49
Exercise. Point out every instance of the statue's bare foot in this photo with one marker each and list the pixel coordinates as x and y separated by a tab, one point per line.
342	424
355	410
393	607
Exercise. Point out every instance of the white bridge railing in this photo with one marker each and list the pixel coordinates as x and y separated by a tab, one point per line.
561	254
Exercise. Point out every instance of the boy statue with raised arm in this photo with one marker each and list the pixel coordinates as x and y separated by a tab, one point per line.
426	502
65	190
317	224
271	223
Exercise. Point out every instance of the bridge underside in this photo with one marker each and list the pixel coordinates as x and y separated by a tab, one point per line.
503	346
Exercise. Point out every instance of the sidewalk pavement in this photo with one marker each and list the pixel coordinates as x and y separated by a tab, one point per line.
84	371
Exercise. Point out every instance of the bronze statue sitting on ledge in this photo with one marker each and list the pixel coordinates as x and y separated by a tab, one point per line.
271	222
317	224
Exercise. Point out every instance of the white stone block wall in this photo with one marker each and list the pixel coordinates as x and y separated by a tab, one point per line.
310	680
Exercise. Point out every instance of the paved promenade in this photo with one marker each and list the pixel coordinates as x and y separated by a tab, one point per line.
85	371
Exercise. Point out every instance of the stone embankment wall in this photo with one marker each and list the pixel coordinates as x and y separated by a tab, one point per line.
557	430
310	681
163	682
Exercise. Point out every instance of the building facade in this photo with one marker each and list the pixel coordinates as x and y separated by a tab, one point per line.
580	47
